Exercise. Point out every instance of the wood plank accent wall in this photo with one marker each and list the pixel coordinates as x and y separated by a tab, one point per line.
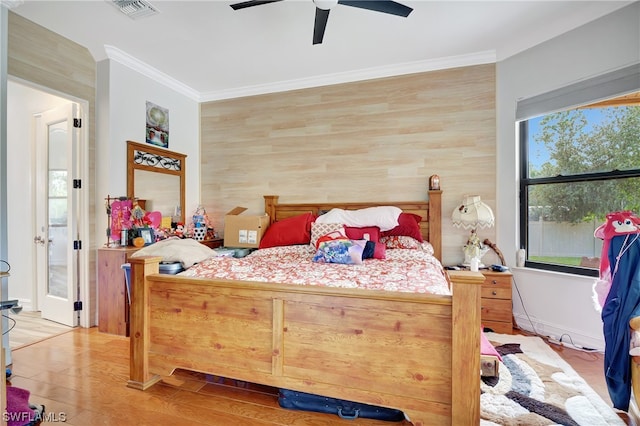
364	141
47	59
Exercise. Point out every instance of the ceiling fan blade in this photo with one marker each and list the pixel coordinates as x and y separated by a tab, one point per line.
322	16
384	6
251	3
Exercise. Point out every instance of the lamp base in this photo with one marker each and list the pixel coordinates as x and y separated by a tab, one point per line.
474	252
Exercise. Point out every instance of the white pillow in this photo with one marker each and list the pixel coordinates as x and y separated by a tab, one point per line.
384	217
186	251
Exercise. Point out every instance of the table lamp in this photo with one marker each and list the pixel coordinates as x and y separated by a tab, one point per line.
473	214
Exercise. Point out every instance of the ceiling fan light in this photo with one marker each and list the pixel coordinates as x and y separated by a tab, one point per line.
325	4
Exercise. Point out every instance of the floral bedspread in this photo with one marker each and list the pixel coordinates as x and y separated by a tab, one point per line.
404	270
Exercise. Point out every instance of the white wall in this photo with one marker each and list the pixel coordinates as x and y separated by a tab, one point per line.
560	303
122	94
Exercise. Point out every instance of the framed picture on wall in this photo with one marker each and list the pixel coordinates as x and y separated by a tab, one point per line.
147	235
157	125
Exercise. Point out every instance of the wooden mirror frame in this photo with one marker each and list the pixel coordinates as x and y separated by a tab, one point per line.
157	160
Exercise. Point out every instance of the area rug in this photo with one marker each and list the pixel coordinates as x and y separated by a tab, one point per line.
537	387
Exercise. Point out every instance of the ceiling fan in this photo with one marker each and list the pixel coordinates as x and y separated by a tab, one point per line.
324	6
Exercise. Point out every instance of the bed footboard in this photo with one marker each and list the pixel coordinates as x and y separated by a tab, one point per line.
414	352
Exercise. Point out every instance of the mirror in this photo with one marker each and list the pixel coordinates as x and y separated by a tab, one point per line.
157	176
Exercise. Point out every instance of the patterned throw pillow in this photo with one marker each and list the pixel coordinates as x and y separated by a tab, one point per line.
320	229
348	252
400	242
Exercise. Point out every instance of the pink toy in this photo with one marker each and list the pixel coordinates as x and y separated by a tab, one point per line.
155	219
120	217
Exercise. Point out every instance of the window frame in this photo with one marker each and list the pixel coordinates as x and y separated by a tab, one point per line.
624	80
525	182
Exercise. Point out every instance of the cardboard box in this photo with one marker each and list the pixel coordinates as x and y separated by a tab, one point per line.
244	230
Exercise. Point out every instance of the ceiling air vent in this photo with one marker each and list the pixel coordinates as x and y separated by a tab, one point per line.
135	9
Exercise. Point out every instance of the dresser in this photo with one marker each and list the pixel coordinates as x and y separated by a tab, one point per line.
213	242
113	303
497	312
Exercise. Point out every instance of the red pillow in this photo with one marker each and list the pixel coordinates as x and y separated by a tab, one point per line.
359	233
380	251
289	231
374	250
408	225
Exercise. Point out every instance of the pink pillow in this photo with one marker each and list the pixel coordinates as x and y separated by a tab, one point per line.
359	233
290	231
408	226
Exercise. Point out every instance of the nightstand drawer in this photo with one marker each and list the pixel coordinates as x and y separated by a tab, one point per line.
497	280
497	286
495	292
496	309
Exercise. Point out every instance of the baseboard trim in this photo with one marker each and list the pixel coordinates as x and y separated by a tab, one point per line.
544	328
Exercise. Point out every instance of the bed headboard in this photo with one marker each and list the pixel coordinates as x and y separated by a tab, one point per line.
430	211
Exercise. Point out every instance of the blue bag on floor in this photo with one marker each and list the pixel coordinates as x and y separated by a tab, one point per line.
345	409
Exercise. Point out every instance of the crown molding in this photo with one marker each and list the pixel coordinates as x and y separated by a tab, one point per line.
477	58
129	61
11	4
352	76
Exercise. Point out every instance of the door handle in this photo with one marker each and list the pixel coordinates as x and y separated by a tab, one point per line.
39	240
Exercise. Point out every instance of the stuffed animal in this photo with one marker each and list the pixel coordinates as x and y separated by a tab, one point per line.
179	230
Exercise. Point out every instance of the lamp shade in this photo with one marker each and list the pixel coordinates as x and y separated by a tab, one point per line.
472	214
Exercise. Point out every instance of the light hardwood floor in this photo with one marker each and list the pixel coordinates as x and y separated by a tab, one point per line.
83	373
29	328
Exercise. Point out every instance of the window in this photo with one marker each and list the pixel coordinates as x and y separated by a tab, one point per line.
577	165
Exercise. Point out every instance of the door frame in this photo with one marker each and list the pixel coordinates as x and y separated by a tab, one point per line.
83	219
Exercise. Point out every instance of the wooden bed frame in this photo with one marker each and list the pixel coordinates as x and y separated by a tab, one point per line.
418	353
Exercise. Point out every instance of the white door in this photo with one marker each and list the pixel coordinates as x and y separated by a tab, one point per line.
56	233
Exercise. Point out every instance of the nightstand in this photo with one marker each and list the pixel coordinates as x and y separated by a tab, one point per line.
497	312
213	242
